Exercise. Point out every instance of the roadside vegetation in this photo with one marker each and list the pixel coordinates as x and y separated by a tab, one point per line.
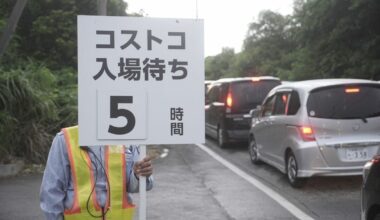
38	76
321	39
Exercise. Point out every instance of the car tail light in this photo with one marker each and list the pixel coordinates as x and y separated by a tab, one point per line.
229	100
307	133
352	90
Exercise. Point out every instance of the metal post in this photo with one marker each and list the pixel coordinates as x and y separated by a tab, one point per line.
102	7
196	9
11	25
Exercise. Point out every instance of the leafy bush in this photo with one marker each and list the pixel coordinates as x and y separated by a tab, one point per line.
33	107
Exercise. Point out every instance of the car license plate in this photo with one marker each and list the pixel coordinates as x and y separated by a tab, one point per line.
356	154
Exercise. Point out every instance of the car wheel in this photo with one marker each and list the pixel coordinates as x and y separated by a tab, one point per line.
292	172
252	148
221	138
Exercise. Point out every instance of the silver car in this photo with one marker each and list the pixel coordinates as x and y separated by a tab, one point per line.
327	127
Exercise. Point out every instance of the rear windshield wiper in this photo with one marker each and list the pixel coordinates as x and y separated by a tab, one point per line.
375	114
364	119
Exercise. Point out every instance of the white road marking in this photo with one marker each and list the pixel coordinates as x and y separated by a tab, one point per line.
298	213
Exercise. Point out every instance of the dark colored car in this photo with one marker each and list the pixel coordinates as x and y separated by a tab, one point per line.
228	103
371	190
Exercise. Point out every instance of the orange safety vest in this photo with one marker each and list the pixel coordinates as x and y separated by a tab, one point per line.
119	208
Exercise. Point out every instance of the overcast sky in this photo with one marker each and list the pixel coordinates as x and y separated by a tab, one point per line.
226	22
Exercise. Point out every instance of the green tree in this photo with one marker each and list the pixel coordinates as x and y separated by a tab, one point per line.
47	29
265	50
338	39
220	66
322	39
267	45
38	78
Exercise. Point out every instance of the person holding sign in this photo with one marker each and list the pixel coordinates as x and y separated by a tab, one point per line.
81	183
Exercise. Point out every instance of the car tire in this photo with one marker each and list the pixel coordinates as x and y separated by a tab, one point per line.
222	142
292	172
252	149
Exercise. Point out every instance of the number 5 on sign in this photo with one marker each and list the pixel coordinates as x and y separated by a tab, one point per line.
121	114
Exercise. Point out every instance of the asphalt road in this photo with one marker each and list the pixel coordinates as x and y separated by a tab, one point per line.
19	198
189	184
325	198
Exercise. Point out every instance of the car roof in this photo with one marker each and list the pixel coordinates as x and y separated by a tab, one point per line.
237	79
309	85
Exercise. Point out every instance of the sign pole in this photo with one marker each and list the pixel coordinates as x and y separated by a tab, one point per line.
142	187
102	7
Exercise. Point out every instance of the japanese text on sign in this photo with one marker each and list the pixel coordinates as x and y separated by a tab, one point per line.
176	125
131	68
137	77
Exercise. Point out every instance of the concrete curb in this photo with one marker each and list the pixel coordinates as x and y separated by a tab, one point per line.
8	170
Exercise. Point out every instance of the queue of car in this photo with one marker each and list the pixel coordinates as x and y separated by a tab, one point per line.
325	127
228	103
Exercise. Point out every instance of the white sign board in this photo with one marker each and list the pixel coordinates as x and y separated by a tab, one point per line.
141	80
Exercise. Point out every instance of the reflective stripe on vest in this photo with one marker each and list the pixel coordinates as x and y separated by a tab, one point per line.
83	181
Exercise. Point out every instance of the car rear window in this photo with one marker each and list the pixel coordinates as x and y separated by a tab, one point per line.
247	95
345	102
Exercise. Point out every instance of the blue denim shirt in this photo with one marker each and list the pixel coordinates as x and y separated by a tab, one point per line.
57	191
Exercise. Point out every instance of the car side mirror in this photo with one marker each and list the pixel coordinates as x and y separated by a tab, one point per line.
252	113
255	113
